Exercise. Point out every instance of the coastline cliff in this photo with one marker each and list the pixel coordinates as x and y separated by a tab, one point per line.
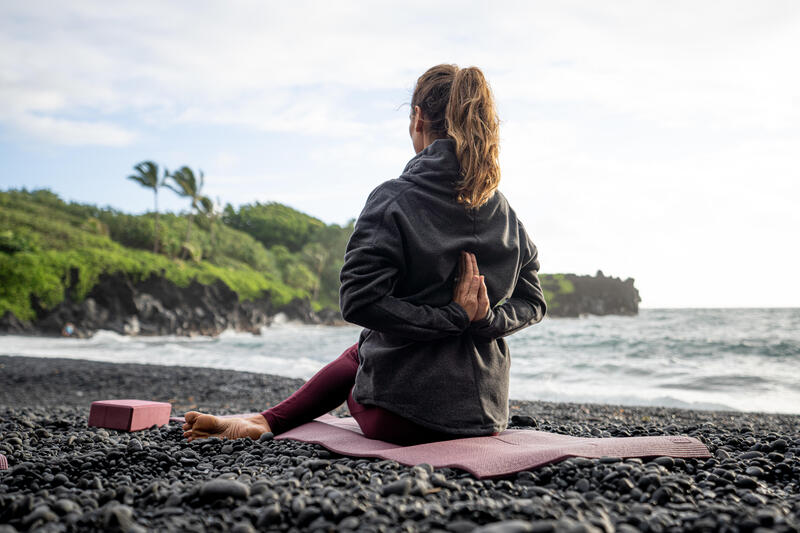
158	306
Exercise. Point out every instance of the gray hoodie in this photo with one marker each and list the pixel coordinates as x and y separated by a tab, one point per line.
420	356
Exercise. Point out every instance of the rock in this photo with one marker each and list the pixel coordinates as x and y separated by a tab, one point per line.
270	514
666	462
222	488
505	526
661	496
523	420
38	516
117	515
401	487
778	445
243	527
64	506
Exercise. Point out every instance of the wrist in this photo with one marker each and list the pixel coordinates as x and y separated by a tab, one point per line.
485	320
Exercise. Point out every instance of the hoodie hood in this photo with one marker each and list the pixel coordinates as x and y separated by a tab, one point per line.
435	167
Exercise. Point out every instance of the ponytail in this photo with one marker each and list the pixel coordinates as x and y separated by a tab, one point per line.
458	104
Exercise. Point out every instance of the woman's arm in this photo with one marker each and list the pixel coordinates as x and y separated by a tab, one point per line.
373	262
525	307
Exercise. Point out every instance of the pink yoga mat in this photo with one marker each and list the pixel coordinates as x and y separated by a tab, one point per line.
511	451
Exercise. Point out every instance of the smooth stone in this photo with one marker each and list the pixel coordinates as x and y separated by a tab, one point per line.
746	482
751	455
222	488
41	513
665	461
661	496
243	527
270	514
64	506
624	485
401	487
523	421
778	445
505	526
755	471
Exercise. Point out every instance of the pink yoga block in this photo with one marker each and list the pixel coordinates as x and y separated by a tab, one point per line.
129	415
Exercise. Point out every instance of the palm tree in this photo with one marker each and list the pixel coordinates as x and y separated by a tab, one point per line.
212	211
147	176
188	185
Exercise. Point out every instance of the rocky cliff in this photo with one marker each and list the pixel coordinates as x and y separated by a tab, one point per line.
157	306
570	295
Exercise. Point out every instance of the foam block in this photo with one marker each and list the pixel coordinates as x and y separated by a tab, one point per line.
3	462
129	415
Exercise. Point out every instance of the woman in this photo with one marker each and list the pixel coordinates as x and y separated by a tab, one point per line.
431	363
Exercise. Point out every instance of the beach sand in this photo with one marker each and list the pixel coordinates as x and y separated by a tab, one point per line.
65	476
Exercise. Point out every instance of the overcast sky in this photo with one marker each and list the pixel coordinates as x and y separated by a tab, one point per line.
648	139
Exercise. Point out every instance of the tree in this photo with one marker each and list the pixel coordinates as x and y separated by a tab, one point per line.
315	255
147	176
188	185
212	211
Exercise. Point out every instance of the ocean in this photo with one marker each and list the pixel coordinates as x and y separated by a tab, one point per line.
730	359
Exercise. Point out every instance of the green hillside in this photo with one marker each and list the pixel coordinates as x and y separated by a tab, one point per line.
46	242
42	238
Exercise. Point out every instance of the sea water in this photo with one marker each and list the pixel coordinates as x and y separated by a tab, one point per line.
732	359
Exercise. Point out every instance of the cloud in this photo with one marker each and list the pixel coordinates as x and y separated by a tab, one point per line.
636	136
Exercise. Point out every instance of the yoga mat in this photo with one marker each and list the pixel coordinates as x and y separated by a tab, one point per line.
511	451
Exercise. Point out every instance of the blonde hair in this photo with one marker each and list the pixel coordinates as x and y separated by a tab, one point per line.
458	104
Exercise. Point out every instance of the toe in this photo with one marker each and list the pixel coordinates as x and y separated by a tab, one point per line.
191	416
206	424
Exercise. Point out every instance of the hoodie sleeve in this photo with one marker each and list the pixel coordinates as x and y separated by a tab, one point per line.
373	262
525	307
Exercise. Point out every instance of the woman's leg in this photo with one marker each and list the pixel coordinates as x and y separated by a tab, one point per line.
325	391
381	424
331	386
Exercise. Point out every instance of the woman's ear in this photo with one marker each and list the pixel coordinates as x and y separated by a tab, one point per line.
419	120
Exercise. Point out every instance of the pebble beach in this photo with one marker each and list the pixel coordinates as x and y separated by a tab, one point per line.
66	476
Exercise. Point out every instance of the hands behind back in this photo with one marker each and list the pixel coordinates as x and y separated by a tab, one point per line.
470	290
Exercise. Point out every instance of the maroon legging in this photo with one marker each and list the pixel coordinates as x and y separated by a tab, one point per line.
328	389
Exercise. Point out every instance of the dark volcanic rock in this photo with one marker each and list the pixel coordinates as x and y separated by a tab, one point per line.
157	306
596	295
65	476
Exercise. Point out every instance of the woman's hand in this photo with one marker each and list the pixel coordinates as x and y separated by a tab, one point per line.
470	290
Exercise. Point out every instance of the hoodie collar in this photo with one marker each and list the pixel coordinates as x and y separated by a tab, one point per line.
436	163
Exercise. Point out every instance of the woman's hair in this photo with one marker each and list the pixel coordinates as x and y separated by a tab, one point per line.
458	104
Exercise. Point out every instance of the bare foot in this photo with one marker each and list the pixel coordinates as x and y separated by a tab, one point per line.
201	426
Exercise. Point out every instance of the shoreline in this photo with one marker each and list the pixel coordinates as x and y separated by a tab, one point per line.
62	471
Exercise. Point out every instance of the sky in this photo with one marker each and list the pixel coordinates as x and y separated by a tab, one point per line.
647	139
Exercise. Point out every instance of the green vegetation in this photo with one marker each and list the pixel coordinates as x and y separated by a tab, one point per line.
554	285
42	238
49	246
147	176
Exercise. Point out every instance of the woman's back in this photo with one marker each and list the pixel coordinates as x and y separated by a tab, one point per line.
420	355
